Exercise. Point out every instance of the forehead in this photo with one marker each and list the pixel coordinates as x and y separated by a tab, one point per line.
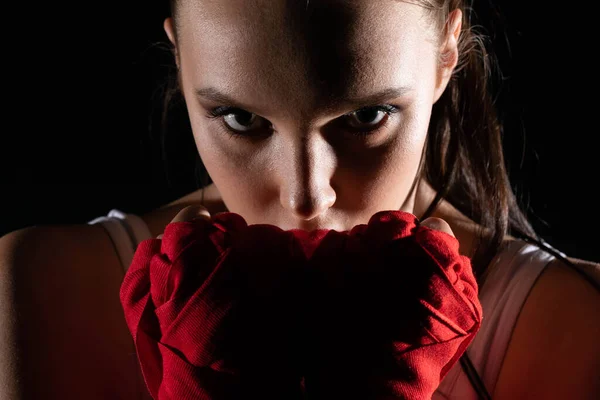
329	48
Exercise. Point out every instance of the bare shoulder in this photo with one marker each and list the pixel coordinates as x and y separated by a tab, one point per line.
74	237
589	268
63	299
65	252
554	351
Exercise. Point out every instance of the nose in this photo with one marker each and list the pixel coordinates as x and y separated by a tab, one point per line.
306	189
309	204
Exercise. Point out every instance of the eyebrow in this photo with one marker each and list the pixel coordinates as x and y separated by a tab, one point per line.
214	95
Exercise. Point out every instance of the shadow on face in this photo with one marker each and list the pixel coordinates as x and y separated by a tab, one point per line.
309	117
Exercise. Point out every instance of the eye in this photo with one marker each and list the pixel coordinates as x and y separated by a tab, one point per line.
369	119
240	123
236	120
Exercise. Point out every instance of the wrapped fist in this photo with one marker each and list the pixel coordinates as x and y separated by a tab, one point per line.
219	309
391	307
211	307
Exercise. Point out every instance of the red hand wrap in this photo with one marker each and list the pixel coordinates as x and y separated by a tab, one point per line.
222	310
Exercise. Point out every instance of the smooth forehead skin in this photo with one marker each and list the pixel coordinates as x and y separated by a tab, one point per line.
312	56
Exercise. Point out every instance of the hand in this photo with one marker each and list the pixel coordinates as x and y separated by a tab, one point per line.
437	224
229	310
391	309
212	310
190	213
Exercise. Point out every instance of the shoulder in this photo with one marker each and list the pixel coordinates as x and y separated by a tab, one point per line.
49	266
554	351
51	243
61	284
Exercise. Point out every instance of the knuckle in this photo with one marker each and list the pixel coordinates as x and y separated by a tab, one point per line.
437	224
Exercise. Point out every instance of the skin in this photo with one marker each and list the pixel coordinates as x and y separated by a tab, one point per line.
307	173
300	165
304	169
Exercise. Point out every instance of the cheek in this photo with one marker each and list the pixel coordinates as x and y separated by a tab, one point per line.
382	178
239	177
241	188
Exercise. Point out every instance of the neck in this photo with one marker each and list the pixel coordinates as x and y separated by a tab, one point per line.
465	230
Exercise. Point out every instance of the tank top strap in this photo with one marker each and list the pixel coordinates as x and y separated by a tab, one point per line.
126	231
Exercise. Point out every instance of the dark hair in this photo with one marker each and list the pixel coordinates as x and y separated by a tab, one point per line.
463	159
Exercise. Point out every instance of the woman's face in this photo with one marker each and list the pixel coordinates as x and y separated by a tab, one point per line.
291	90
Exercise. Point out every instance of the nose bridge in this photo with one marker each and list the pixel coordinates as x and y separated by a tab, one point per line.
306	188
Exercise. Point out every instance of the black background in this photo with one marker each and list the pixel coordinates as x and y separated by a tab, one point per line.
83	78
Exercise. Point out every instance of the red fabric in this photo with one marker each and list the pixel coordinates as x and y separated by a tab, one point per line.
224	310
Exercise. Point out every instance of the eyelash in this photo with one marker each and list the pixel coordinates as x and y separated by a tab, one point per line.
223	111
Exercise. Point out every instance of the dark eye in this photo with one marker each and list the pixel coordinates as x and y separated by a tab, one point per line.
237	122
362	122
240	121
369	119
367	116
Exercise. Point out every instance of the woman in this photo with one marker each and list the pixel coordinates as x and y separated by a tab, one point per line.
318	115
